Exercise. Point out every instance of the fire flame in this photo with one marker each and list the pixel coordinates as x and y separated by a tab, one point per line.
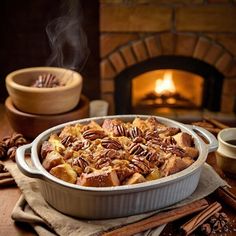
165	85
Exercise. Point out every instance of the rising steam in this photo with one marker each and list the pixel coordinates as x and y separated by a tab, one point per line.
67	38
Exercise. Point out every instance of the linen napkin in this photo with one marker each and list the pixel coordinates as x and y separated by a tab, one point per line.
33	209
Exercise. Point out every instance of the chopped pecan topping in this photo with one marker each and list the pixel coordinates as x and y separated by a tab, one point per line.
132	152
135	132
174	149
149	135
68	140
81	162
111	153
92	134
111	144
86	144
119	130
136	148
156	141
142	164
169	141
139	140
77	145
102	162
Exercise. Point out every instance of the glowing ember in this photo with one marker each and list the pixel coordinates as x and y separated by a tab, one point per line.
165	85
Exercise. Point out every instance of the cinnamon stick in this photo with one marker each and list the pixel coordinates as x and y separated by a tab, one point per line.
4	175
227	196
208	126
199	219
212	130
6	182
216	122
159	219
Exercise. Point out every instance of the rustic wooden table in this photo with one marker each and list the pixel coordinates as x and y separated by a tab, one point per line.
10	195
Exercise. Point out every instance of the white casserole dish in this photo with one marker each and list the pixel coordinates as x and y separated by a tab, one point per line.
119	201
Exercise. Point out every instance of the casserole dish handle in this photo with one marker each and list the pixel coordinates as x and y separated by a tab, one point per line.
211	139
23	165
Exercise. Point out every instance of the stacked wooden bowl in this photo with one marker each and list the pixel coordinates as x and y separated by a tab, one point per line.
31	109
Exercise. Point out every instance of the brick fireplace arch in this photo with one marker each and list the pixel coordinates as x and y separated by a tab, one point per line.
152	46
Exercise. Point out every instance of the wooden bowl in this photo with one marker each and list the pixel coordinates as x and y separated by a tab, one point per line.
44	100
30	125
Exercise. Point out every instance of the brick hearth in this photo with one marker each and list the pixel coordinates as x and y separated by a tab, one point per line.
134	31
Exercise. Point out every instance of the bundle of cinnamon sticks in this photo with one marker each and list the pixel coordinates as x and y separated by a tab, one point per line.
159	219
210	124
209	220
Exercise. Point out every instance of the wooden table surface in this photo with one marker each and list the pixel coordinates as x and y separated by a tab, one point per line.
10	195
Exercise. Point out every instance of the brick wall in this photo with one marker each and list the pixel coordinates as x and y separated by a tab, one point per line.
132	31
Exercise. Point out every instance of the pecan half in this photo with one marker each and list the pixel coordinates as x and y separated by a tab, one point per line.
68	140
175	150
142	164
139	140
119	130
102	162
111	144
86	144
150	156
136	148
93	134
111	153
149	135
81	162
135	132
77	145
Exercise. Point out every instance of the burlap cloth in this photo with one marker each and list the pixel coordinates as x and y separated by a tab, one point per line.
45	220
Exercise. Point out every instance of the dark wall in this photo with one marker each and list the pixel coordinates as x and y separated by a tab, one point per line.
24	42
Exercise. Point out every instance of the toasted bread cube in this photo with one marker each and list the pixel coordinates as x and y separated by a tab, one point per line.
52	159
141	124
135	179
183	139
109	124
56	143
46	148
64	172
100	179
174	164
155	174
188	161
68	130
170	131
191	152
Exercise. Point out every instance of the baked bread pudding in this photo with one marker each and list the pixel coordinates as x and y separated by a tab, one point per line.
117	153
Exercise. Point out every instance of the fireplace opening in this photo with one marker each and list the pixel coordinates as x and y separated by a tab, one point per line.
168	82
167	88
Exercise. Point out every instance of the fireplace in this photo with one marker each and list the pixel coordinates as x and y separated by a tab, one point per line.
166	88
173	82
141	42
